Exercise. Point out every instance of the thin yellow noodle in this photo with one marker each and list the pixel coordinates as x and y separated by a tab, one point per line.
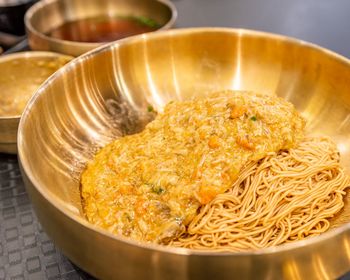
282	198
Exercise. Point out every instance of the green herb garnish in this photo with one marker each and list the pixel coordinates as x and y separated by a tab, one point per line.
128	217
147	21
150	108
253	118
157	190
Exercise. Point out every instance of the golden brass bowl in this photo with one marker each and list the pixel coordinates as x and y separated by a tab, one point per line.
20	70
101	95
47	15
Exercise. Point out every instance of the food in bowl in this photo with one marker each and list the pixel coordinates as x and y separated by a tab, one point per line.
284	197
24	75
103	29
229	172
76	26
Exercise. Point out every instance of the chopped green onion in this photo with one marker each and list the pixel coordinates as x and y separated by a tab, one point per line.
157	190
147	21
150	108
253	118
128	217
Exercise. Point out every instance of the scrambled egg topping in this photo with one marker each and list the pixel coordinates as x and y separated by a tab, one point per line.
149	186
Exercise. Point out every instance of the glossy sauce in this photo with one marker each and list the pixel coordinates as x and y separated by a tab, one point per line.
149	186
102	29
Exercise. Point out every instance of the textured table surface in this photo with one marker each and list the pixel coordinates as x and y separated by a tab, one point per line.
25	250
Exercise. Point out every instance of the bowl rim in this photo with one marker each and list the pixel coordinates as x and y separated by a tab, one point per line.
41	4
62	207
28	55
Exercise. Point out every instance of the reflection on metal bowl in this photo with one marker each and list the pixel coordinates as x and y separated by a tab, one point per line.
21	75
48	15
96	97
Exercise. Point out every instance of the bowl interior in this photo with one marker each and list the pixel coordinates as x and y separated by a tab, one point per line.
22	74
105	94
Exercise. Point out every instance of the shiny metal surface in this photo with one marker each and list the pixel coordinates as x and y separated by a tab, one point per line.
103	94
9	125
49	14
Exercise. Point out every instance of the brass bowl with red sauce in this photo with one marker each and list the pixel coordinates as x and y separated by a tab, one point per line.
74	27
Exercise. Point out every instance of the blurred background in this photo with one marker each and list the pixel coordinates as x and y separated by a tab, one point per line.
322	22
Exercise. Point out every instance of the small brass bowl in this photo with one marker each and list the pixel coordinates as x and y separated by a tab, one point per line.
24	71
47	15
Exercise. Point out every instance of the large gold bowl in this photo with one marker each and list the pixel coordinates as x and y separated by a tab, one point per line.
104	94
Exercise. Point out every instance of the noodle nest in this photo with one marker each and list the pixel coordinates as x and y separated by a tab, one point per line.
282	198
